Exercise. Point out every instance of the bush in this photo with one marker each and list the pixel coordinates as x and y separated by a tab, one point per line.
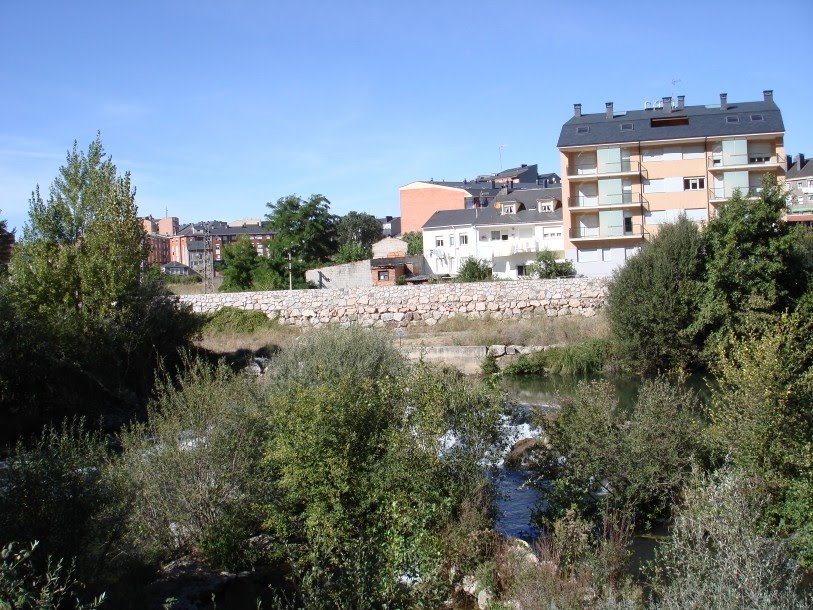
234	320
654	301
489	365
473	270
547	267
193	471
582	359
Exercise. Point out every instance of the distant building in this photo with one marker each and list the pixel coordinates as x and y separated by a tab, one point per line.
174	268
390	246
799	184
390	226
159	249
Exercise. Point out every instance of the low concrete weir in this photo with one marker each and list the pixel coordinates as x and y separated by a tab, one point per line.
465	358
393	306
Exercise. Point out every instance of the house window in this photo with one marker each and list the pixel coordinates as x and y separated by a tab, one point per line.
583	129
627	126
545	206
438	242
628	224
694	184
451	239
383	276
732	119
504	236
509	208
756	117
495	236
463	239
520	270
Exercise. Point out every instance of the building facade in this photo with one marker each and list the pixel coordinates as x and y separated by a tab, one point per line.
799	184
507	232
626	173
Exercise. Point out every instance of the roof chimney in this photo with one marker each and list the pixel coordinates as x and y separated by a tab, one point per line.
768	95
667	104
681	99
724	101
800	160
609	110
577	110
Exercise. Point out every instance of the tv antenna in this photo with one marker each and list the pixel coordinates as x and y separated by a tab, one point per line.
675	81
500	147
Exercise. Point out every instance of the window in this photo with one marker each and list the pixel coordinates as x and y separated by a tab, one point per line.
627	224
438	242
732	119
451	240
520	270
669	122
383	276
627	126
588	256
583	129
504	236
508	208
495	236
810	183
545	206
694	184
463	239
756	117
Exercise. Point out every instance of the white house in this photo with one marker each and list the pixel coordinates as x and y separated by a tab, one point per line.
508	233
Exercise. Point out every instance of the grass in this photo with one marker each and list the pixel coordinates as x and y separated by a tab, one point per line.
232	330
585	358
534	331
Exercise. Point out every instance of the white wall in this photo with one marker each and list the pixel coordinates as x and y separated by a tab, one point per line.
599	262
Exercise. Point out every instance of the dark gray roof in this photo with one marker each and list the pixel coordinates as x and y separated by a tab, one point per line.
804	171
194	246
528	172
703	121
174	265
252	230
493	216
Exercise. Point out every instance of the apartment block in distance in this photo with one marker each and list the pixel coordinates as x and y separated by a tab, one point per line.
626	173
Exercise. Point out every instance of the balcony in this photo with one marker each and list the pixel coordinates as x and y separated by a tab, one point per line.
718	163
621	169
619	201
719	195
612	232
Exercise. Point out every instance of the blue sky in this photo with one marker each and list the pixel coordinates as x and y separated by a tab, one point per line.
219	107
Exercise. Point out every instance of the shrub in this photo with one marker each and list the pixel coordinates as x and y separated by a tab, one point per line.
547	267
581	359
473	270
234	320
719	554
654	301
193	471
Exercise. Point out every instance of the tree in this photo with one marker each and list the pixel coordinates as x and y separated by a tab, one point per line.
654	301
85	319
358	228
241	261
753	265
304	228
414	240
547	267
351	252
473	270
6	241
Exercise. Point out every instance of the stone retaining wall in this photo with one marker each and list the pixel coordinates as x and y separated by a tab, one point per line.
408	305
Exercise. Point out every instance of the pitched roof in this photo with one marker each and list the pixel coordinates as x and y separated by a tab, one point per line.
800	169
702	121
494	216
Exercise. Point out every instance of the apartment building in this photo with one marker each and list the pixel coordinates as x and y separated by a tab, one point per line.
419	200
194	240
799	183
626	173
507	231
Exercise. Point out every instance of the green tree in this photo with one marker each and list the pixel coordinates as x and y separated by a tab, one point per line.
473	270
94	321
654	301
414	240
358	228
304	228
753	265
6	241
547	267
241	261
351	252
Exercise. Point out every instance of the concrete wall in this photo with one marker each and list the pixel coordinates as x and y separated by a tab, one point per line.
424	304
348	275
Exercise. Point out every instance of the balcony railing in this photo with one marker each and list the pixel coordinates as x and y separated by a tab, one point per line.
617	199
719	161
728	192
635	230
619	167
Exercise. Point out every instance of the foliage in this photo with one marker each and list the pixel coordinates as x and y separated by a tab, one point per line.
414	240
753	267
473	270
22	587
366	482
719	555
654	301
401	280
235	320
6	242
580	359
489	365
352	251
93	323
761	420
55	489
240	263
192	472
547	267
304	228
358	228
635	463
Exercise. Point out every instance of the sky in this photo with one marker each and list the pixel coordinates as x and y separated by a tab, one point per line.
217	108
